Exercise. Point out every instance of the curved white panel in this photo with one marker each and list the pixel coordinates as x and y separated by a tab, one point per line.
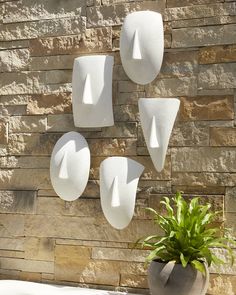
157	117
119	178
92	91
142	45
69	166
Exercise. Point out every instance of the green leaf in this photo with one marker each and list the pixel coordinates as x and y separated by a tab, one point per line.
184	260
199	266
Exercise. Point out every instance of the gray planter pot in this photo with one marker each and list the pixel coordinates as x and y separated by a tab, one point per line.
171	279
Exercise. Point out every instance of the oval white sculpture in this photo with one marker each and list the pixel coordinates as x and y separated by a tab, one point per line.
119	178
157	117
142	46
92	91
69	166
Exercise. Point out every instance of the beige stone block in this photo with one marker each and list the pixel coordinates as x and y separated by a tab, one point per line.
226	268
200	22
128	98
27	265
149	187
217	76
207	159
129	86
114	15
30	276
134	281
116	146
24	162
52	103
3	132
14	60
217	54
14	44
124	113
206	108
16	83
172	87
179	64
92	40
189	134
32	144
17	202
12	226
13	100
223	136
230	199
85	228
14	244
13	110
39	249
80	207
11	254
204	36
199	11
25	10
222	285
47	63
25	179
181	3
6	274
119	254
197	190
91	244
28	124
42	28
204	179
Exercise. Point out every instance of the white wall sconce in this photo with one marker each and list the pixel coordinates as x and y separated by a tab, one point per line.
92	91
157	117
69	166
142	45
119	178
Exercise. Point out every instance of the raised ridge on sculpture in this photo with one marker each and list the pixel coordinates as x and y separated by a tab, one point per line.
136	53
87	92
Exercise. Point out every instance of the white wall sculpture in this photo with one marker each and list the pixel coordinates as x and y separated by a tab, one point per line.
119	178
92	91
142	45
69	166
157	117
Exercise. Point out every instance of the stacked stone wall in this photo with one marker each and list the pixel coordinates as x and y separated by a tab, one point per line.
43	238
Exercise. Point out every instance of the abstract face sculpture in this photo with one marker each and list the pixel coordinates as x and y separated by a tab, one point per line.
119	178
142	46
92	91
69	166
157	117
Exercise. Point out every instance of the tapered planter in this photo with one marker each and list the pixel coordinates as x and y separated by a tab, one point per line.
173	279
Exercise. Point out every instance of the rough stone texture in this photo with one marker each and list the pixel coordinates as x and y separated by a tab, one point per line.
223	136
46	28
217	76
217	54
46	239
17	202
93	40
26	10
14	60
206	108
204	36
114	15
203	159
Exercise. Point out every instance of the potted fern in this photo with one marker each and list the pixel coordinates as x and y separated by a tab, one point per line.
180	258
